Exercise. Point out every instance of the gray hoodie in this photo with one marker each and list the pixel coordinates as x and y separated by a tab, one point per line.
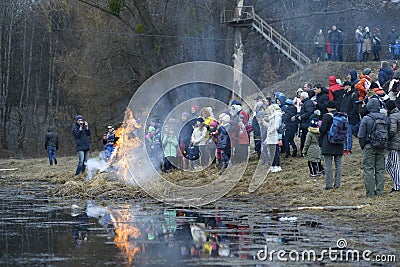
367	122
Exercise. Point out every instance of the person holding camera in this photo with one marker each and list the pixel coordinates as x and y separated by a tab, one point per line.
81	134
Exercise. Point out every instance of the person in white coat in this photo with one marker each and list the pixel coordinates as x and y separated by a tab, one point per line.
272	140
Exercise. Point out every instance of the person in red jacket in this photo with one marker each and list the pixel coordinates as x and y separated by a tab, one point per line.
335	91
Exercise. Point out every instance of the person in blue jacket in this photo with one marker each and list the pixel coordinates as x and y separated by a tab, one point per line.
81	134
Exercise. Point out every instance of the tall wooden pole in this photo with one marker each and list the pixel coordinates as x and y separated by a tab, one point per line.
238	54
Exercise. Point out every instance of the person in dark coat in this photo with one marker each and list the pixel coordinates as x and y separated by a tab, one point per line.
352	76
322	98
81	134
291	126
385	73
373	158
307	110
330	151
348	105
51	145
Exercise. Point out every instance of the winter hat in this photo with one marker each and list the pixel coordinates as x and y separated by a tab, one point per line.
314	123
390	105
226	118
373	85
366	71
317	112
185	114
196	108
331	104
236	102
213	124
79	117
347	83
289	101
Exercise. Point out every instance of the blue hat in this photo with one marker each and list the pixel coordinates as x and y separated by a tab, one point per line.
289	101
79	117
236	102
314	123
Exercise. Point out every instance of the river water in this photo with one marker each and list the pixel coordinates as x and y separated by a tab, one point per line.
40	231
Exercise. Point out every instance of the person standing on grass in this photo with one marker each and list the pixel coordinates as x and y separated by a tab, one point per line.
81	134
51	145
373	158
348	105
312	150
330	151
392	155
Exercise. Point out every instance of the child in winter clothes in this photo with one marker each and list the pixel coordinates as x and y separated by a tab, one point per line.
170	144
312	150
224	142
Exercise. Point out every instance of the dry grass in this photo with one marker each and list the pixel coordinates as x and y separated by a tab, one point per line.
289	188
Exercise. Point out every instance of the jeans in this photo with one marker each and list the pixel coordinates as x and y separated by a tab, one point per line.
359	55
319	52
51	152
374	170
335	56
83	158
289	141
348	144
328	170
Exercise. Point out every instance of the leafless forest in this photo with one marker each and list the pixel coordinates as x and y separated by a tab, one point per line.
59	58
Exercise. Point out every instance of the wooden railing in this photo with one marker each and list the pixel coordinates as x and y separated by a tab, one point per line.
246	17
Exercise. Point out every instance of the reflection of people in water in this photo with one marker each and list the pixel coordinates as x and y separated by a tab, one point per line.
80	228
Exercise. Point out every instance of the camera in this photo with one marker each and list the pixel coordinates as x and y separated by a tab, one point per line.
362	101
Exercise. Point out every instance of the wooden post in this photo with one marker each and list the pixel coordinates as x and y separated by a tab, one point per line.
238	54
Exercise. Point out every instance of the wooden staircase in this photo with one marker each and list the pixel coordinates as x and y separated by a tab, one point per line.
246	17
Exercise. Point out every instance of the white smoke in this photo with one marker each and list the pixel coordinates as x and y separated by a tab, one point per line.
94	166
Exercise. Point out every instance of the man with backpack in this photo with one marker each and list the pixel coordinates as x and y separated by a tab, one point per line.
373	137
332	145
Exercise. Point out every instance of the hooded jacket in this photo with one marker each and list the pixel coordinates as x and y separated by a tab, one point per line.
353	78
335	91
394	130
362	86
384	75
367	122
322	100
82	141
307	109
51	138
349	106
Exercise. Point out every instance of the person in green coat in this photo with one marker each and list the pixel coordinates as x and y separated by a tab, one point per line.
312	150
170	146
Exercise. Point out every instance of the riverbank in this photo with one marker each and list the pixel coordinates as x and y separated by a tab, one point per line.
289	189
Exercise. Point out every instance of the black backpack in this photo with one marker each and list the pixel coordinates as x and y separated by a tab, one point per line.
379	135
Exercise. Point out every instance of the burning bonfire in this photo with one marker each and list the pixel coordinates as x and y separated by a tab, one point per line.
127	143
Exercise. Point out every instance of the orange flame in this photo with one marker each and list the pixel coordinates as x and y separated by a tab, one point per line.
126	142
125	235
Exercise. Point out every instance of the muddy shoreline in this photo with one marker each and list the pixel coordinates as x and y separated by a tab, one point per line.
288	189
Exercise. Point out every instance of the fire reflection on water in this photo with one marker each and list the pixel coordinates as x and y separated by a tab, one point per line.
126	233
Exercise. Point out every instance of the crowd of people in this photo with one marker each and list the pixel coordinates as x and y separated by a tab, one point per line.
330	46
326	120
274	122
